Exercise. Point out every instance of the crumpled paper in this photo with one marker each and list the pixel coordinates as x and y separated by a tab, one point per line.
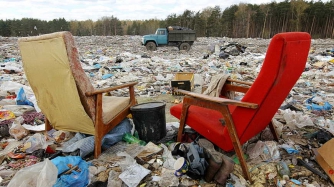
133	175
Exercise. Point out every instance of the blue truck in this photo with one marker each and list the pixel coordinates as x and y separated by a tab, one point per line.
181	37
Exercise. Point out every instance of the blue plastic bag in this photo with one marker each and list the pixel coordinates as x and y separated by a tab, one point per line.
97	66
21	98
289	149
312	106
86	143
75	178
105	76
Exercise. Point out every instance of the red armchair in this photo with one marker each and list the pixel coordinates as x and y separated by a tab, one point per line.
230	123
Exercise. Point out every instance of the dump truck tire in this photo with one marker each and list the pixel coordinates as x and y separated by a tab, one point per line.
151	46
185	46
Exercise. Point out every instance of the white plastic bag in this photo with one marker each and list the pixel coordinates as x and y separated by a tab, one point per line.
35	142
168	157
7	102
17	130
43	174
113	179
12	86
18	110
168	178
296	119
265	150
279	126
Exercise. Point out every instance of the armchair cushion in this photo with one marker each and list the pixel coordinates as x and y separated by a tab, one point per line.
199	115
112	105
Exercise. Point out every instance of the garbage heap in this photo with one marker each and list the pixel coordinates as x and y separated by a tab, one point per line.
304	121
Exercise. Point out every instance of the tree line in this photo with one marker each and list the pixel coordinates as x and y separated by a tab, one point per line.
237	21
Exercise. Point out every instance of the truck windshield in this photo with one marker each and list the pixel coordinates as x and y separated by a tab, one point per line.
160	32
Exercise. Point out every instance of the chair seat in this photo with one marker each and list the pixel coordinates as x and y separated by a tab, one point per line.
199	117
112	105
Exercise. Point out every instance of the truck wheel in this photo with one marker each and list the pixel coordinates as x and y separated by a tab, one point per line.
184	46
151	46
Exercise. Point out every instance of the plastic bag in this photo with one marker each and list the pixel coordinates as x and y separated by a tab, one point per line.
296	119
42	174
12	86
34	101
113	179
37	141
168	158
17	130
75	178
86	144
289	149
7	102
168	178
21	98
128	161
267	151
18	110
278	126
329	125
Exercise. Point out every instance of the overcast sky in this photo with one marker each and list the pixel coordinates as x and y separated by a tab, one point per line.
95	9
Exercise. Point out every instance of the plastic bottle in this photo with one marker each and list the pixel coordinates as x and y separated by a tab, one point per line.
135	134
131	139
283	169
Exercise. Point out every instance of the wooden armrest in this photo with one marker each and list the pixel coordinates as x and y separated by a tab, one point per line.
104	90
240	86
240	82
218	99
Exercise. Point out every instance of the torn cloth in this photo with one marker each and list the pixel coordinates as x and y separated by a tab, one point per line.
215	87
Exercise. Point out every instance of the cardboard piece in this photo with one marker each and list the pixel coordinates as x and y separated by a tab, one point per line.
184	81
319	64
149	152
325	158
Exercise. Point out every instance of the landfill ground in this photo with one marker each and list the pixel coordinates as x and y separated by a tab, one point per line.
168	99
305	120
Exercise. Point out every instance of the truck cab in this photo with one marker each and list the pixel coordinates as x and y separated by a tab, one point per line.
153	40
161	36
183	39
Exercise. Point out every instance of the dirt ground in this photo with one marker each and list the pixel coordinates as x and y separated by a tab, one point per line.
168	99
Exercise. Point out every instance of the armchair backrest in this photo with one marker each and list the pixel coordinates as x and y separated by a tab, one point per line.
283	64
53	70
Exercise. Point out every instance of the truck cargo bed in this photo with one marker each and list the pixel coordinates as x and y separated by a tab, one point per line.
181	35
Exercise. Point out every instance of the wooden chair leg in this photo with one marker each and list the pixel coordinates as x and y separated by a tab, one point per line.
47	124
273	130
183	118
47	127
98	126
97	149
236	143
